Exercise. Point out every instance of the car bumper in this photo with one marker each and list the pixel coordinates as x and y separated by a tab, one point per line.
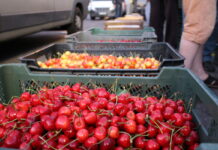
102	14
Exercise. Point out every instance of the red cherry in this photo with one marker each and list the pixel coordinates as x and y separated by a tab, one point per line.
180	109
82	135
124	140
113	132
79	123
187	116
70	132
140	118
130	126
91	118
194	135
110	105
152	131
193	147
64	111
178	139
13	139
62	122
21	115
167	113
90	142
25	146
107	144
159	106
139	142
100	133
163	139
165	128
140	129
25	96
119	148
177	119
63	139
152	145
185	130
103	121
139	106
131	115
36	129
49	124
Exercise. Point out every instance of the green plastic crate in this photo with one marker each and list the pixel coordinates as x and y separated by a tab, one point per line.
208	146
87	40
172	82
101	32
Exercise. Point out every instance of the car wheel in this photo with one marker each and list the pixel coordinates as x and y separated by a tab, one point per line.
77	22
92	17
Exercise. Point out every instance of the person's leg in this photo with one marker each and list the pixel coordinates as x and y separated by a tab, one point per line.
157	18
197	66
172	22
127	7
199	23
209	48
120	10
189	50
147	12
116	10
207	54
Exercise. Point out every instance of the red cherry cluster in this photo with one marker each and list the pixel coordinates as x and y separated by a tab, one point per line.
76	117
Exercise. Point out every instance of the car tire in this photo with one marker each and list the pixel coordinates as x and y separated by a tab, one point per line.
77	22
92	17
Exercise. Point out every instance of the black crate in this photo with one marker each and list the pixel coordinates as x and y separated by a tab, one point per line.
161	51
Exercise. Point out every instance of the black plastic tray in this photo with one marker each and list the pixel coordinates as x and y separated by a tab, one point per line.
161	51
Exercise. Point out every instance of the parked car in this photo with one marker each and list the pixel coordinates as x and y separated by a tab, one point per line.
103	8
22	17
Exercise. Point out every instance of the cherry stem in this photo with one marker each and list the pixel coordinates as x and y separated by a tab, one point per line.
23	128
76	92
179	130
69	143
46	103
126	133
8	122
45	142
102	114
8	133
82	147
76	114
58	132
67	98
91	109
121	122
99	142
173	125
164	125
157	126
116	100
138	135
171	139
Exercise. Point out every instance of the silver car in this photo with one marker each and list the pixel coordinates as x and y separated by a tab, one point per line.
103	8
22	17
